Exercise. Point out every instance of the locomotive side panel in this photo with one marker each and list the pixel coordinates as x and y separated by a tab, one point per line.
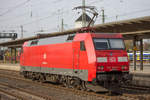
57	56
57	59
31	59
51	56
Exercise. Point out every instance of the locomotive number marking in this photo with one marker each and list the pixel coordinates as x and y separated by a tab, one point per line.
112	59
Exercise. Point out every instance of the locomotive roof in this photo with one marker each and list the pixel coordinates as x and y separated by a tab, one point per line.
62	39
45	41
106	35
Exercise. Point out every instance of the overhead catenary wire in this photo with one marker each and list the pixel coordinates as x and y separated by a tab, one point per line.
43	18
129	13
54	14
19	16
40	19
14	8
39	3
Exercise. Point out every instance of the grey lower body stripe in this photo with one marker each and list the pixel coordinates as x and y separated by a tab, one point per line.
83	74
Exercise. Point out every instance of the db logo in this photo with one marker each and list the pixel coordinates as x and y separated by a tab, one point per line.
44	56
112	59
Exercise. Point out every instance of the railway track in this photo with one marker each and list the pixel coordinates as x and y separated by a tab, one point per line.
21	94
137	89
136	97
10	72
58	87
11	95
92	95
17	91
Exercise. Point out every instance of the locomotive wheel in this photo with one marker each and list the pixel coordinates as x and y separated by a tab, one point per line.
41	78
76	83
25	75
64	83
33	77
68	85
69	82
83	86
30	75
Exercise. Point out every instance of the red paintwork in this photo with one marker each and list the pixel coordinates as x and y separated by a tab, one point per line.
110	66
65	55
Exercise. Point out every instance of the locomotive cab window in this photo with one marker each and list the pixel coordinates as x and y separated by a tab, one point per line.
108	44
101	44
82	46
34	43
117	44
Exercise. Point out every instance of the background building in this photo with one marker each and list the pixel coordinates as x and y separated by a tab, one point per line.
78	22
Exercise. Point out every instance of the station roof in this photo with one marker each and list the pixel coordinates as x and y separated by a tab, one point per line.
133	28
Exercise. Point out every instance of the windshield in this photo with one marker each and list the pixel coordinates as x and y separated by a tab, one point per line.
104	44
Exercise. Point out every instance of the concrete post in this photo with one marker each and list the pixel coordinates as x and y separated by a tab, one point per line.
4	56
134	53
83	14
11	53
141	54
15	55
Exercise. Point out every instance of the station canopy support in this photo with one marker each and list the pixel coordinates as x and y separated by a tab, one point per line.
141	54
134	53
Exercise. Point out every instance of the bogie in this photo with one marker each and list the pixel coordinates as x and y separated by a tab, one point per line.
66	81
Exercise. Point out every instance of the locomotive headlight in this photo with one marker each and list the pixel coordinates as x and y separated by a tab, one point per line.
100	67
101	59
123	67
122	59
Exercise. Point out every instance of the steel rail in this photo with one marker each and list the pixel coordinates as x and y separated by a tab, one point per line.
26	91
12	94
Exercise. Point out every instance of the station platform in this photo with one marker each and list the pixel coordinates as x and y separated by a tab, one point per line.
140	77
8	66
138	71
146	68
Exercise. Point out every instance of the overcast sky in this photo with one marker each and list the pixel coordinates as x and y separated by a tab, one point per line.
36	15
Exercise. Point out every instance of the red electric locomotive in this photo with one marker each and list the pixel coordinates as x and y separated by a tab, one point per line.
89	60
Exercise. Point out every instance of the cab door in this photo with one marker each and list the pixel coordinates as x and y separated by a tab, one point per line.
76	56
21	54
